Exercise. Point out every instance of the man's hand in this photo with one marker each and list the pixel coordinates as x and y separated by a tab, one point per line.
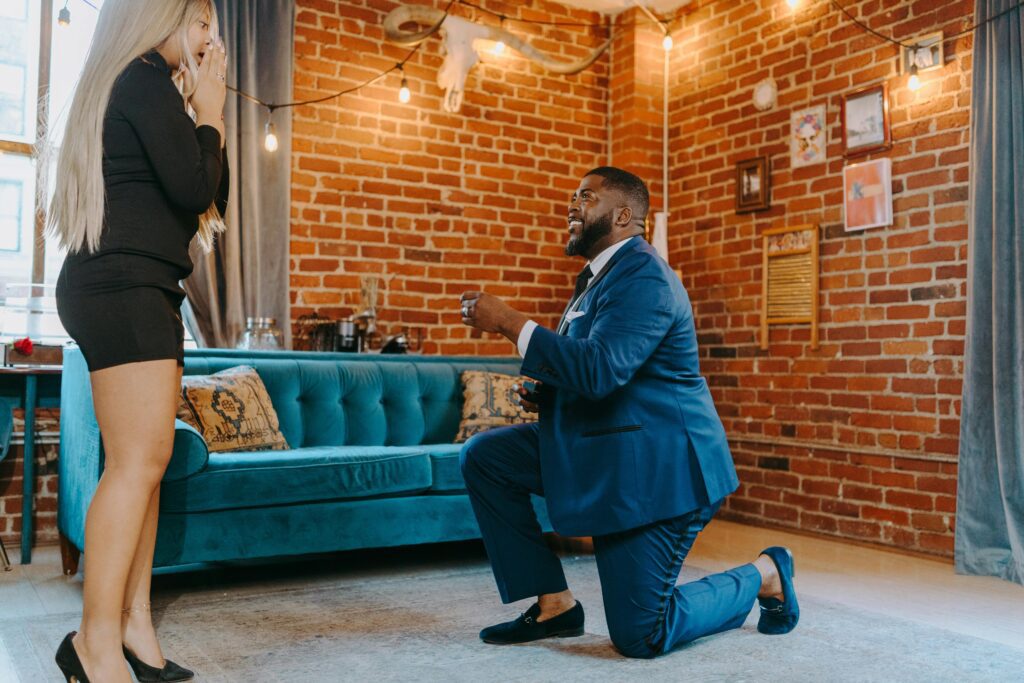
491	314
529	400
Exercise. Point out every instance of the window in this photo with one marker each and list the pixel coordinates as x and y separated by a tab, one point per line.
19	57
24	258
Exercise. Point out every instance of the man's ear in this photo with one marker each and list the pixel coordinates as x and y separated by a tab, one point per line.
625	216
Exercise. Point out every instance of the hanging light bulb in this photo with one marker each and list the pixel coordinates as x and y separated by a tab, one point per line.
64	16
666	42
914	83
403	91
270	135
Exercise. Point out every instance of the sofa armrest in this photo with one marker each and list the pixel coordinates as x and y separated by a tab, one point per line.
81	452
190	453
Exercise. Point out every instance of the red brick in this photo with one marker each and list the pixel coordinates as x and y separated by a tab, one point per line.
866	493
931	522
907	499
820	487
850	472
840	508
860	529
937	484
936	543
886	515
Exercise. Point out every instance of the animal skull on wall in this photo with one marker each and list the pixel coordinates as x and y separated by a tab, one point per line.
460	37
460	56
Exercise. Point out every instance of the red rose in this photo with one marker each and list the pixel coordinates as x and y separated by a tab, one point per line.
24	346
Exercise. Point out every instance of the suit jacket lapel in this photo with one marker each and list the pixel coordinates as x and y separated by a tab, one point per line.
563	324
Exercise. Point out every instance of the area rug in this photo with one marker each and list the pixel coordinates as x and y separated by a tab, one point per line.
395	623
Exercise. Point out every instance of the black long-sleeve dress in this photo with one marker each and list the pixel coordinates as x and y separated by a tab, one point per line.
122	303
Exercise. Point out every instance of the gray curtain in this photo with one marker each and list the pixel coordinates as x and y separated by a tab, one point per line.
247	274
990	498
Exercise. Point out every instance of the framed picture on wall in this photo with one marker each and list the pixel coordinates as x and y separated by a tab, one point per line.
807	137
928	54
753	185
867	194
866	120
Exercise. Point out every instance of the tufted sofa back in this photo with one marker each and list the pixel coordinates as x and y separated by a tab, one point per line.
358	400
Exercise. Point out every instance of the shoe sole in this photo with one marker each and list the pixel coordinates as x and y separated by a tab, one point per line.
569	633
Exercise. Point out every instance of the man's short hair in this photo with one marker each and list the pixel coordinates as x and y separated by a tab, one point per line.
630	186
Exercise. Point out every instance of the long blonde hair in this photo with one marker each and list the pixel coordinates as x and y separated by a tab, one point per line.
125	30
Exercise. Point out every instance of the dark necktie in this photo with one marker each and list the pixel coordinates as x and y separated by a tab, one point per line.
581	283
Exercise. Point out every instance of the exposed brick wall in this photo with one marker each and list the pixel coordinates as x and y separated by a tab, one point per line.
438	203
882	392
11	483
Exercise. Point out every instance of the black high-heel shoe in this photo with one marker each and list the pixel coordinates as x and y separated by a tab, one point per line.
68	661
171	673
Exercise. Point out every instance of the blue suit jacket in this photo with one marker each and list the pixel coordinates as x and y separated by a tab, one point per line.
629	434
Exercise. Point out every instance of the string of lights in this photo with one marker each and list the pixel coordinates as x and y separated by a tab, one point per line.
914	81
913	46
404	95
864	27
270	142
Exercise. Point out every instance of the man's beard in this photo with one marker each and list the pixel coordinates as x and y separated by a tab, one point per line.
591	233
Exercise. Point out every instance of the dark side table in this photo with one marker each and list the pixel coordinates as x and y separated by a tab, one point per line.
30	399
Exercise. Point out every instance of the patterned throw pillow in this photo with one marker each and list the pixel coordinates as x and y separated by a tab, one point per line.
489	402
232	410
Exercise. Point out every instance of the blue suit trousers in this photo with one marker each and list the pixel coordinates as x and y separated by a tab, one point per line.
647	613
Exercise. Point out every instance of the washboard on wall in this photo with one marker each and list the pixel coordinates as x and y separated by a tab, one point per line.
789	291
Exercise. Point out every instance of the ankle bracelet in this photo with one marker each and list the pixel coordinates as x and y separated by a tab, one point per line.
144	607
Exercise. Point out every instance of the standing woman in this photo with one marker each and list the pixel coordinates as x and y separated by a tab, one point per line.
138	178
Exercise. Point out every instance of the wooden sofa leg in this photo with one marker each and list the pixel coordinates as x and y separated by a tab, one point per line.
5	562
69	555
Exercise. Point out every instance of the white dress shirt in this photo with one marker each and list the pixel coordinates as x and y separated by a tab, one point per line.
598	264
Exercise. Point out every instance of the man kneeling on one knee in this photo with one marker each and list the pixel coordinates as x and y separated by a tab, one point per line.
628	449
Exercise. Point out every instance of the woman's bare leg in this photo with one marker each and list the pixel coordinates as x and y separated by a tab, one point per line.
137	630
135	407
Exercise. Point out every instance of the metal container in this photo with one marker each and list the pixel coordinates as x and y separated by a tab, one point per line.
346	338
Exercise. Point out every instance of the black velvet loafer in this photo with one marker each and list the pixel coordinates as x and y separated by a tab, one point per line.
779	617
526	628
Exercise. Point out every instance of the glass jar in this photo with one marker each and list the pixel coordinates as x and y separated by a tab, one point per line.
261	334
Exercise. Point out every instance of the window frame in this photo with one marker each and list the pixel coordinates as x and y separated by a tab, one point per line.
26	149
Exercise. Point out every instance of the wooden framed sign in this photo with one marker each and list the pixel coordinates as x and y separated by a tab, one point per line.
789	290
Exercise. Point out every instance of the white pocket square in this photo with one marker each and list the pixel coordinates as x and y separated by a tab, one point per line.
572	315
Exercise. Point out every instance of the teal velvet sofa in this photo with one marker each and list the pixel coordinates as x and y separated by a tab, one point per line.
371	463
